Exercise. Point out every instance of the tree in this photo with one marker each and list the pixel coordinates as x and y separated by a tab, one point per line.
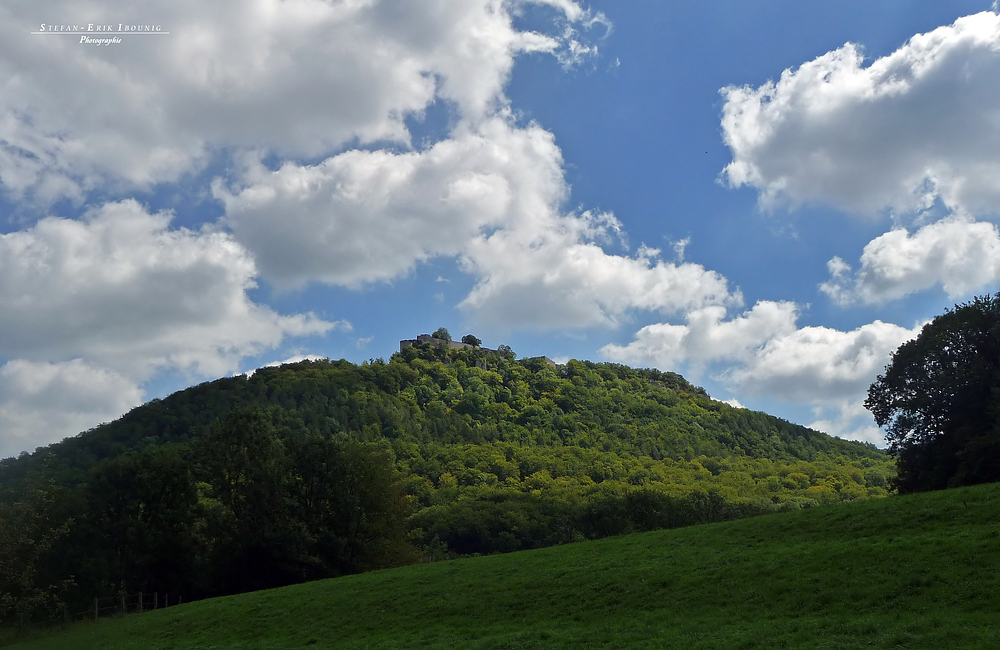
939	400
441	333
353	504
144	504
472	340
25	538
259	542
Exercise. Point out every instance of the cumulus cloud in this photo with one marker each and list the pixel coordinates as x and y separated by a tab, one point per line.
959	255
122	290
556	276
813	364
707	336
911	128
300	78
42	402
364	216
304	79
491	196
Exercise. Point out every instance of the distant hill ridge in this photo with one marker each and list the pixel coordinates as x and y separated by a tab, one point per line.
430	393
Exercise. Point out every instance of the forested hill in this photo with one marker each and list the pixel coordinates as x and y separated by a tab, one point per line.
317	469
429	395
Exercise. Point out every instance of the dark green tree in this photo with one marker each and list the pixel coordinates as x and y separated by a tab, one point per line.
144	504
939	400
441	333
352	502
471	339
259	543
25	538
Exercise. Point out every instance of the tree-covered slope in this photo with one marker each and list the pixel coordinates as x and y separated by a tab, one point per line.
427	395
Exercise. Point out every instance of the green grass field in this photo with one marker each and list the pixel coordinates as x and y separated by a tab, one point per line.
909	572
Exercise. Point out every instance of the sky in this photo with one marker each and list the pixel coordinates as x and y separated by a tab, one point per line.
767	197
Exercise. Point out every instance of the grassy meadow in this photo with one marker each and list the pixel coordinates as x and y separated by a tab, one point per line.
920	571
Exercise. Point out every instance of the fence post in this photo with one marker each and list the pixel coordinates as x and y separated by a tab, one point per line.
65	614
140	602
156	600
96	610
123	611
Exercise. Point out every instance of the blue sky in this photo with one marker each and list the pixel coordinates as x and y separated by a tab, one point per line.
766	197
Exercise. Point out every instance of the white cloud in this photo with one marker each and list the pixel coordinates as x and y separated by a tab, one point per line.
491	196
707	337
121	290
554	275
819	364
304	79
41	402
959	255
848	419
366	216
300	78
916	126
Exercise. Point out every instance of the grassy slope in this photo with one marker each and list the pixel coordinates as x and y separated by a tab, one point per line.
917	571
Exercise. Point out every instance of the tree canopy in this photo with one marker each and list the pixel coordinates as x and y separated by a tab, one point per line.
939	400
322	468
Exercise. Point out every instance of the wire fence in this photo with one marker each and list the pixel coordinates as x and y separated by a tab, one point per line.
104	607
118	605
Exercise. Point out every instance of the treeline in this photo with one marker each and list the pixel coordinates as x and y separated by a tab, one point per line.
240	509
317	469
